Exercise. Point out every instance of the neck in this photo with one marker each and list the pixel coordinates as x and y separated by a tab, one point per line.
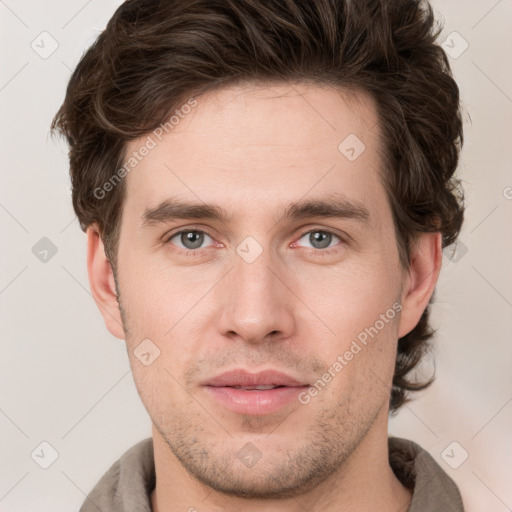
365	482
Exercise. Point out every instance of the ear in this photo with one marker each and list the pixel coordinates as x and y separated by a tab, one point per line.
426	260
101	281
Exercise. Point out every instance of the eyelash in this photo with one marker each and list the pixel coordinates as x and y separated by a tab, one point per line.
198	252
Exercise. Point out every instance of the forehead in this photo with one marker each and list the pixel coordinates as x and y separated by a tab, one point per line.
254	147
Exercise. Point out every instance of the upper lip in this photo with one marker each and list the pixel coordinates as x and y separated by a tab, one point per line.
240	377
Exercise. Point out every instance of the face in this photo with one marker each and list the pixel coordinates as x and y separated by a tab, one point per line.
297	272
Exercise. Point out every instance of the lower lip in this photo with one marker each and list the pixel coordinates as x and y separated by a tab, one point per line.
255	402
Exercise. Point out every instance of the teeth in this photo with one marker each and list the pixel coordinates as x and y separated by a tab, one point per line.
251	388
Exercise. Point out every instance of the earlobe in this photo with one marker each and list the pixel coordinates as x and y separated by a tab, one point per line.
424	269
101	281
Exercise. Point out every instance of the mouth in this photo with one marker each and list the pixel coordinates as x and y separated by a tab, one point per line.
241	378
259	393
256	388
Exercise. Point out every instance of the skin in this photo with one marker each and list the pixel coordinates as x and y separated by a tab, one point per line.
254	149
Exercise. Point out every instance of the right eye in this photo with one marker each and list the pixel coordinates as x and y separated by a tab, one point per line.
190	239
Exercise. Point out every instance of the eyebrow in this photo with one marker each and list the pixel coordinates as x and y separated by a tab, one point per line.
332	206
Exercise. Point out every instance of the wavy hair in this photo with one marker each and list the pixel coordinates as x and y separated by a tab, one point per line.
154	54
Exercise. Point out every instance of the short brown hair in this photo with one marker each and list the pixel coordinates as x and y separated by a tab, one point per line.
153	55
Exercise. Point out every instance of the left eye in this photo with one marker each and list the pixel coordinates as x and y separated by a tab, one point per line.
320	239
191	239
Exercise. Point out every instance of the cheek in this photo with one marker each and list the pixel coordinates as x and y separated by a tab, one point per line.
361	368
347	299
159	391
357	334
156	298
161	310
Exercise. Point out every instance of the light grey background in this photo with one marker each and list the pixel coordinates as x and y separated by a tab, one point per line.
66	381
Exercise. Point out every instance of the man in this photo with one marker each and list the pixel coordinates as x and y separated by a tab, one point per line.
266	188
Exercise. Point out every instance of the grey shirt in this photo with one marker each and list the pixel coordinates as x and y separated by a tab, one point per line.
127	485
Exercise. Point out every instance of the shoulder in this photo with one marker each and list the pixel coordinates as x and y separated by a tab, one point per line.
127	484
433	489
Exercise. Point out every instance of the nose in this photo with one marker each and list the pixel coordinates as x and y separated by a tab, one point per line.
257	302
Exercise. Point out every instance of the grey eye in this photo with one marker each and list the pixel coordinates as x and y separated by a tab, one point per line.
319	239
192	239
189	239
